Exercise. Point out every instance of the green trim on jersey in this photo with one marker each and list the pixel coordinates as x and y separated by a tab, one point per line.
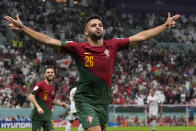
91	88
47	113
63	44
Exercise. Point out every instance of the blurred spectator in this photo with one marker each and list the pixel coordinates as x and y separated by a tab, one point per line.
139	99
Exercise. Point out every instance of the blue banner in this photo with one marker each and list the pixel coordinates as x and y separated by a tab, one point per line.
113	124
15	124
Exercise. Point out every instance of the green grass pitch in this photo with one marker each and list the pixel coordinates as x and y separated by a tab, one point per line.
180	128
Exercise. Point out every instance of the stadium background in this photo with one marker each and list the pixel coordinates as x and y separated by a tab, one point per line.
166	62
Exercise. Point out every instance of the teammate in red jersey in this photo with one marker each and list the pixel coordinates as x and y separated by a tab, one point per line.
43	97
95	60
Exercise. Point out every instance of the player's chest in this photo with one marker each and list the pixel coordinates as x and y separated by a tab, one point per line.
96	58
47	91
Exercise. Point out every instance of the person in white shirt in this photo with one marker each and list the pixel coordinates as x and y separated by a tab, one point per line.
139	99
153	102
160	95
73	113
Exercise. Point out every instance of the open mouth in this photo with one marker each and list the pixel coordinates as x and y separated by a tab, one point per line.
50	76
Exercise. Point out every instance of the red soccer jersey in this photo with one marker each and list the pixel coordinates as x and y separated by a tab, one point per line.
100	60
95	66
46	92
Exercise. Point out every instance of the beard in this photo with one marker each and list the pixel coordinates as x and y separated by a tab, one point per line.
95	36
49	79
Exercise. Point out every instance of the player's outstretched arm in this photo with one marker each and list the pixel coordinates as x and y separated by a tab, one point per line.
148	34
55	102
16	24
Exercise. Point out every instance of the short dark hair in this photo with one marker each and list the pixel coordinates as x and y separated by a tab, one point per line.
48	67
92	17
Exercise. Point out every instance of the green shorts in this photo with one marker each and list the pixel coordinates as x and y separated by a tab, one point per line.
92	115
47	125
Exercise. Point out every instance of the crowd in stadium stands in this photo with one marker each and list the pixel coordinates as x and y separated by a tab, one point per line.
171	73
163	121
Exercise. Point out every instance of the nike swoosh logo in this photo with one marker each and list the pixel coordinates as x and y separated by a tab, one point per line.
86	53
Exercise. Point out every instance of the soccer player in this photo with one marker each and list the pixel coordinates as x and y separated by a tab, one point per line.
43	97
73	113
95	59
152	104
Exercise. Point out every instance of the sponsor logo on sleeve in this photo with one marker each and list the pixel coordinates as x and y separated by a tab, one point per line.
86	53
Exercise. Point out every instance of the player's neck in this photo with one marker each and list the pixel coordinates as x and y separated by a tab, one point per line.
48	82
98	42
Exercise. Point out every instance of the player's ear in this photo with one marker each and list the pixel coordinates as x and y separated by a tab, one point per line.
86	30
44	75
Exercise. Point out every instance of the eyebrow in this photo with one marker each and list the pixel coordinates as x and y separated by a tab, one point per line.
96	23
49	71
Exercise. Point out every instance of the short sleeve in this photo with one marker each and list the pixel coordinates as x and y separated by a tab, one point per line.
121	43
36	89
69	47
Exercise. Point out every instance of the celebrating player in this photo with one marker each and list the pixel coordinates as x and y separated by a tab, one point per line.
73	113
43	98
152	104
95	59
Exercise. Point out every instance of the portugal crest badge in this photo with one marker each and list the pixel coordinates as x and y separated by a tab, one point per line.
89	119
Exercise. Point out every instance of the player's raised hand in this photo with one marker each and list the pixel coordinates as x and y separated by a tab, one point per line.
14	24
170	22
